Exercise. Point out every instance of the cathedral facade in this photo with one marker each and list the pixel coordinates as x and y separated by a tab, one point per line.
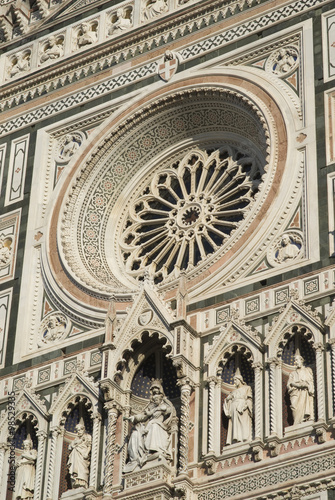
167	244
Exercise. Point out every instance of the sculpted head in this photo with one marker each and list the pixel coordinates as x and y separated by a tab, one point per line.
80	428
27	444
298	361
285	240
238	380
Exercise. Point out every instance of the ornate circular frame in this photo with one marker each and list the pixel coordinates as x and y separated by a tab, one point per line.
130	149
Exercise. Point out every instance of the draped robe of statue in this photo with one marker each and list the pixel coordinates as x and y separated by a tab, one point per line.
150	437
300	387
238	408
25	474
79	459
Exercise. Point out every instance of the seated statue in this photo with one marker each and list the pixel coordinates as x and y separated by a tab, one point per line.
155	8
150	436
86	35
238	408
120	24
25	472
300	387
79	458
52	51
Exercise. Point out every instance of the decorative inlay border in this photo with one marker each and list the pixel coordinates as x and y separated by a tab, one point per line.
5	304
17	170
301	468
146	70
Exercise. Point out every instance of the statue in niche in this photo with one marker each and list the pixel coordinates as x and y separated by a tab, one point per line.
238	408
287	250
300	387
150	437
20	63
155	8
79	458
25	472
86	35
53	49
121	22
5	252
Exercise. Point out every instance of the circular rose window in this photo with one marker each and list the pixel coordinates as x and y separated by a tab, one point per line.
177	182
187	211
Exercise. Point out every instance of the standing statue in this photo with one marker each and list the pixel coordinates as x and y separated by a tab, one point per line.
300	387
238	408
79	459
25	473
150	436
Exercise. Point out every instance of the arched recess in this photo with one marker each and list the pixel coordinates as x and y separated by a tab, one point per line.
237	350
78	402
296	331
26	416
24	439
148	359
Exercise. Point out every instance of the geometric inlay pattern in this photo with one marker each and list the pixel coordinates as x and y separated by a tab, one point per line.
302	468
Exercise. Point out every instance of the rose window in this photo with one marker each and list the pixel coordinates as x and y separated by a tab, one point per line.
187	211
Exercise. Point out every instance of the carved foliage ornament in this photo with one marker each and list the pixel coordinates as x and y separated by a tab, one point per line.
187	211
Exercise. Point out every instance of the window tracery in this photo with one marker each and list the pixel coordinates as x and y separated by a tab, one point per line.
188	210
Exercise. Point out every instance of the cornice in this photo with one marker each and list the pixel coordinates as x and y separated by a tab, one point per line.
209	17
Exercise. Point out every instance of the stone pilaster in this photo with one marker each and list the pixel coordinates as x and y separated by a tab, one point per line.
186	388
113	413
212	381
55	433
273	364
332	346
41	436
319	381
95	450
258	406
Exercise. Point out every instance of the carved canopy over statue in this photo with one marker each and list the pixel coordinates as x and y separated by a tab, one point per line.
25	473
300	387
79	458
150	438
238	408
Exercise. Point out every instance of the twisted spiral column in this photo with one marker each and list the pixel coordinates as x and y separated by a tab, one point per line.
95	450
319	381
186	389
55	432
41	436
211	413
258	399
332	346
113	413
272	382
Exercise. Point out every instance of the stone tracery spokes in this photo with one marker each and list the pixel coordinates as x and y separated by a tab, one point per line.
188	211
